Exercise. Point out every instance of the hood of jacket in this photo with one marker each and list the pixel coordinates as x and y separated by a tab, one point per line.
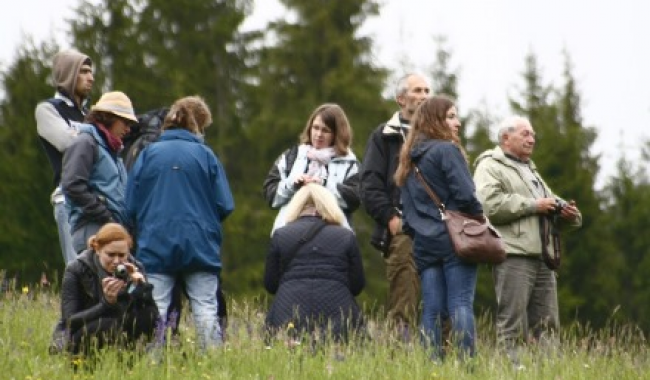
65	70
180	134
87	257
418	150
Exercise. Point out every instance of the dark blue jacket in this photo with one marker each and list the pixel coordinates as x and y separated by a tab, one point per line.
177	197
444	168
314	285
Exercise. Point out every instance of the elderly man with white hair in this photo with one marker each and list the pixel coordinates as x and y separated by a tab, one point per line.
526	212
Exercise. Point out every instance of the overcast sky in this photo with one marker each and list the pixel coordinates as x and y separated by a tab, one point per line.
606	39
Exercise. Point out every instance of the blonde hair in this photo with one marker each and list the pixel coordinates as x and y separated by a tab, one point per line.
190	113
318	197
107	234
334	117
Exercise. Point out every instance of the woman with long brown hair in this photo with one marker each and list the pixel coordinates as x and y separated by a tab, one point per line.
448	284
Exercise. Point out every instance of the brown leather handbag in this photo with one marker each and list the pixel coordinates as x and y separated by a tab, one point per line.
474	239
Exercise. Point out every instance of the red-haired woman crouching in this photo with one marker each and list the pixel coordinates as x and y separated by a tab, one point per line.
105	298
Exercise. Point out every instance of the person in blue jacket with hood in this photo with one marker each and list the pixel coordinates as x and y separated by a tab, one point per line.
177	198
448	284
93	178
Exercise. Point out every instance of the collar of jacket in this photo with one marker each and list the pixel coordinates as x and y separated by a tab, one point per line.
499	155
93	131
394	126
180	134
70	103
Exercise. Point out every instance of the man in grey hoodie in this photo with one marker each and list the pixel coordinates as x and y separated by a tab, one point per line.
56	120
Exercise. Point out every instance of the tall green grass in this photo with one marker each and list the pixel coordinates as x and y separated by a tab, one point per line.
26	321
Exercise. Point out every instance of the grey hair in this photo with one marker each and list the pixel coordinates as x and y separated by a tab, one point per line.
509	124
402	83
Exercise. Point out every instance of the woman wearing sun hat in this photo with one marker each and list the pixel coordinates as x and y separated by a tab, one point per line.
94	177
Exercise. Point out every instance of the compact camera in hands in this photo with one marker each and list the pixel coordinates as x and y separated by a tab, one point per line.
135	289
122	273
560	204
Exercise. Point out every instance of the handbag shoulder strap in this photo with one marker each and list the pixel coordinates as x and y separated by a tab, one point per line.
429	190
306	237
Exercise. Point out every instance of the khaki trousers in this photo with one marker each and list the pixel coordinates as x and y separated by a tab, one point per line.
403	282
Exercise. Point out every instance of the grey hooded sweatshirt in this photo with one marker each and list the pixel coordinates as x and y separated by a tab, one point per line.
56	117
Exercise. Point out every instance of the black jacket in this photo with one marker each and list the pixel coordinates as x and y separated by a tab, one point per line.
321	280
82	297
380	195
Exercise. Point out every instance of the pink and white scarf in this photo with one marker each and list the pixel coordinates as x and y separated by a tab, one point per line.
319	159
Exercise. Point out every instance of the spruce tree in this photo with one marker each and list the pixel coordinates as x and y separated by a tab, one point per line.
28	232
626	215
318	56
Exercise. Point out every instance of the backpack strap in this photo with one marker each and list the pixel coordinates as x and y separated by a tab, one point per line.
290	157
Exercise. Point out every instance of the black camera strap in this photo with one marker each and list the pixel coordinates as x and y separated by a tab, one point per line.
549	231
547	226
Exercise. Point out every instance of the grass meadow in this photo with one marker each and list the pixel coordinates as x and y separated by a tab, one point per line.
26	321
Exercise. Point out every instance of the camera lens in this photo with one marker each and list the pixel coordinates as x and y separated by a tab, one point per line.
121	272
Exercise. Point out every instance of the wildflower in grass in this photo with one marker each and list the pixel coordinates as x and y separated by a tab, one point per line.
25	289
77	361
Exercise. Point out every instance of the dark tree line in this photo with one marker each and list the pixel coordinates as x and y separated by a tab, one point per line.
261	86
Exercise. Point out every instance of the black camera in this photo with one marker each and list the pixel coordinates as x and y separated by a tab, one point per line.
560	204
121	272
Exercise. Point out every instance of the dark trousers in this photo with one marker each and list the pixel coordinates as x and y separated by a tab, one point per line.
125	331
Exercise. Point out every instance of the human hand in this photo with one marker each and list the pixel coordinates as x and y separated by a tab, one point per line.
545	205
111	287
300	181
570	211
305	179
135	275
315	179
394	225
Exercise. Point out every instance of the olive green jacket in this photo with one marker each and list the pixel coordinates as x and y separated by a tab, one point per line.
509	202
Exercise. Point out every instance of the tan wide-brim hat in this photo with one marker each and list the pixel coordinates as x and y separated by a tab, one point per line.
117	103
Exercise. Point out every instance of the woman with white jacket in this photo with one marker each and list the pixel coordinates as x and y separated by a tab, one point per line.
323	157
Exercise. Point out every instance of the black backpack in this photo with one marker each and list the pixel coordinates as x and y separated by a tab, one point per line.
143	133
